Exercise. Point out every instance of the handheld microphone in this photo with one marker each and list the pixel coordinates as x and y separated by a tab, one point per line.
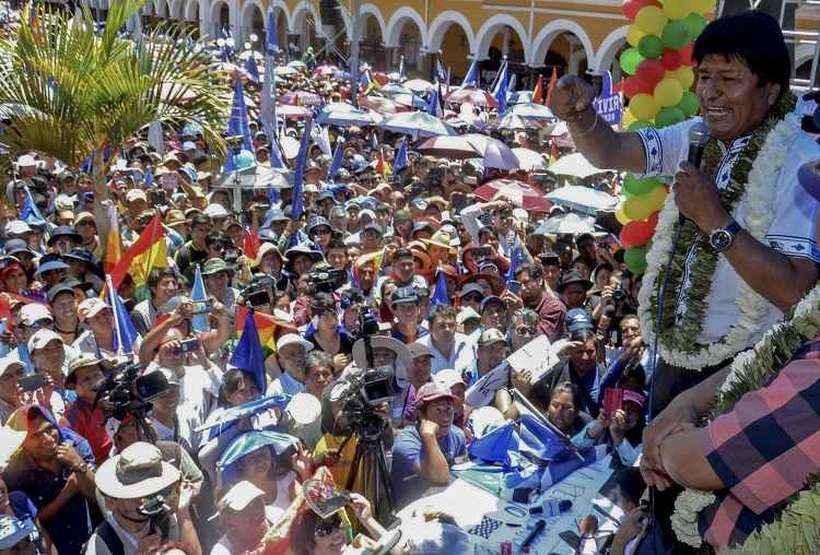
699	135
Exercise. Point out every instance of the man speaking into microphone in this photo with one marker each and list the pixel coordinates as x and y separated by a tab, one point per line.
735	245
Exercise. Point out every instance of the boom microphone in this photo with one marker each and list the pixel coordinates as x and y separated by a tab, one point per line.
699	135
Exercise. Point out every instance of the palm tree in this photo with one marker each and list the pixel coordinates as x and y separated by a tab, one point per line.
69	90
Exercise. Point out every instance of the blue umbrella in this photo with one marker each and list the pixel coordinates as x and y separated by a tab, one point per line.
251	441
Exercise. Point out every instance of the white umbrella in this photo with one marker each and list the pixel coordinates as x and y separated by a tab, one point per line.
569	223
297	64
529	160
417	124
348	117
531	110
418	85
391	89
583	199
284	71
574	165
498	155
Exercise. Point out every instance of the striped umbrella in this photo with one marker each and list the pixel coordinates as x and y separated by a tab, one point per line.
476	97
302	98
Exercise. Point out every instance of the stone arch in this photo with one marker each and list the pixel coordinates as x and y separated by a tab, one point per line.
397	22
297	18
372	9
442	23
489	29
802	54
246	19
192	10
609	48
217	22
543	40
160	9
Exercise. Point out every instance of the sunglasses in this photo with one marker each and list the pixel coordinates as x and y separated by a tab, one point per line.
472	298
328	526
524	331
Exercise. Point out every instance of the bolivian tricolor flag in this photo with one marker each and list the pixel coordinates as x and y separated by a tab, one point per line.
147	252
268	327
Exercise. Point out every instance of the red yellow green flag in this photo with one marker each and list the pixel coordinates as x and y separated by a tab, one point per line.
145	254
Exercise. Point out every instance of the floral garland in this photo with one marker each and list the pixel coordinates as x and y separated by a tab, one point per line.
750	371
757	168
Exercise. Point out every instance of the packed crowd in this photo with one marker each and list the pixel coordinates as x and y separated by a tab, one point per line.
195	400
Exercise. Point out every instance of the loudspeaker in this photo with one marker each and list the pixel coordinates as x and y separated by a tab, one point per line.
329	13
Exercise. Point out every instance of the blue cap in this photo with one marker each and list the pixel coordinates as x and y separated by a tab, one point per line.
578	319
50	266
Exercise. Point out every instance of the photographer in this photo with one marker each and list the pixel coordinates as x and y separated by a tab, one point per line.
217	275
163	285
141	493
325	332
407	309
85	376
195	250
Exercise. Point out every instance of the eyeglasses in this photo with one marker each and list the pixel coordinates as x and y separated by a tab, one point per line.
523	330
327	527
322	232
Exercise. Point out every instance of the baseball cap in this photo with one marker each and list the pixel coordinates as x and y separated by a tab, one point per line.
634	397
91	307
135	194
404	295
471	288
419	350
431	391
293	339
467	313
447	377
17	227
51	265
41	338
492	299
8	362
33	313
490	336
578	319
240	496
62	287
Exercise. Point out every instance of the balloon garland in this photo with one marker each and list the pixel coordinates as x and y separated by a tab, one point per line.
658	64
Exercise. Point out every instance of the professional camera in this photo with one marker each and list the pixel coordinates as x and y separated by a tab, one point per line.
618	296
125	391
260	292
326	280
158	513
231	255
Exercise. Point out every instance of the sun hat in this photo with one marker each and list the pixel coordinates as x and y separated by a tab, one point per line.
214	266
138	471
491	336
578	319
403	360
51	265
573	277
466	314
81	361
239	497
62	287
8	362
634	397
418	350
448	377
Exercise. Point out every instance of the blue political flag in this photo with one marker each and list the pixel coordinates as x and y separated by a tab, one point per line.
125	334
495	446
238	123
518	258
440	290
434	104
338	158
271	32
248	355
199	322
252	68
299	172
501	87
29	213
401	160
472	78
148	180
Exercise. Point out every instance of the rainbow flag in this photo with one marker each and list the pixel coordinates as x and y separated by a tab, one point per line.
148	252
266	326
113	246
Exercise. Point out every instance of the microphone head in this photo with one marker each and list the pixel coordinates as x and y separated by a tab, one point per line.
699	133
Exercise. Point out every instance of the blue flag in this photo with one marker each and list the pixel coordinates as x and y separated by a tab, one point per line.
440	291
125	334
517	258
299	172
501	87
401	160
148	180
199	322
338	158
495	446
248	355
252	69
276	160
434	104
29	213
441	73
540	440
238	123
472	77
271	46
364	79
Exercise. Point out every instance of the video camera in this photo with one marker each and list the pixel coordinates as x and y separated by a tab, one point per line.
326	280
126	392
260	292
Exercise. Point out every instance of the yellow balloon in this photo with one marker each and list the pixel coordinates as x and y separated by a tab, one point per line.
640	207
703	6
634	35
668	92
628	119
620	216
643	106
650	20
677	9
683	75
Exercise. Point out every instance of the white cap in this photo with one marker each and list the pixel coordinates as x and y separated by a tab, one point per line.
17	227
467	313
42	338
240	496
91	307
293	339
447	377
135	195
27	161
8	362
33	312
215	210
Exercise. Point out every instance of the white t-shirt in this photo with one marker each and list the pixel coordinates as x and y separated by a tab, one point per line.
792	231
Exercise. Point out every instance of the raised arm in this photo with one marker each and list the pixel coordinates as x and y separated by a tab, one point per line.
603	147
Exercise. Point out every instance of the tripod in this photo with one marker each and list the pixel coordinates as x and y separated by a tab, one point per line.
370	464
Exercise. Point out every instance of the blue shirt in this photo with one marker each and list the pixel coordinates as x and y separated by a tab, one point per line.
408	450
72	528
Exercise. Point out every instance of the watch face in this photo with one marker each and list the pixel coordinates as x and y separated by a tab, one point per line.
720	240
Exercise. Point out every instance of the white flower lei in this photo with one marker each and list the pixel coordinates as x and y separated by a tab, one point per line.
759	203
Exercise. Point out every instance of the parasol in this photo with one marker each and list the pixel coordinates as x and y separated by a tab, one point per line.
569	224
285	71
559	129
410	101
380	104
254	440
531	110
394	88
417	124
529	160
574	165
521	194
325	70
471	145
514	122
476	97
583	199
418	85
302	98
347	117
293	112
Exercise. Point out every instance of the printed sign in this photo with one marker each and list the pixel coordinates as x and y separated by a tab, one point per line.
608	104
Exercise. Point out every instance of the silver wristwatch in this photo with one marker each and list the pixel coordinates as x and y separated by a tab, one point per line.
722	238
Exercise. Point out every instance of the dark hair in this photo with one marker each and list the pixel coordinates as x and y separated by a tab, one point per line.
323	302
200	219
566	387
535	270
752	37
231	380
441	311
217	237
584	237
583	335
156	275
631	482
303	530
336	243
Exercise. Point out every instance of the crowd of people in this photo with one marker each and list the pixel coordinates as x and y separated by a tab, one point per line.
403	275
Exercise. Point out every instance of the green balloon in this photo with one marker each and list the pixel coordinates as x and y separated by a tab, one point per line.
669	116
694	23
635	259
675	35
630	60
636	187
639	124
650	46
689	104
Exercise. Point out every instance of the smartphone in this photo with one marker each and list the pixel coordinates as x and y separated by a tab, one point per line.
481	253
613	400
189	345
32	382
514	287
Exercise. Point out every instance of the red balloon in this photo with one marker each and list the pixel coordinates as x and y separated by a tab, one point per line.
651	72
633	86
636	234
686	54
632	7
671	59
